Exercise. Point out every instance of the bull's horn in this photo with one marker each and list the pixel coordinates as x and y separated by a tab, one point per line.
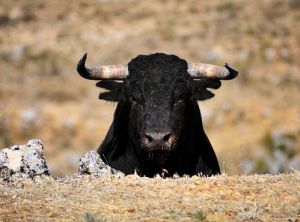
201	70
113	72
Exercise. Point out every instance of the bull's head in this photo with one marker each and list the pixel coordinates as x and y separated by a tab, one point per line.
157	89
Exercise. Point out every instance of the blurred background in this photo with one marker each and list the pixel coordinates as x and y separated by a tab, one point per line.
253	122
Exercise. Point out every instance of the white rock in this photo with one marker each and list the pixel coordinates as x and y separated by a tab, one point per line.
26	159
92	164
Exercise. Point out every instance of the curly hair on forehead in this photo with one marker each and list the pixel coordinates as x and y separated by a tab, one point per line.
158	65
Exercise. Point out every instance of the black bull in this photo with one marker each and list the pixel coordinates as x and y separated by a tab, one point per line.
157	126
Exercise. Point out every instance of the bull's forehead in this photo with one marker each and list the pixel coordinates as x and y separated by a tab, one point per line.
157	75
157	67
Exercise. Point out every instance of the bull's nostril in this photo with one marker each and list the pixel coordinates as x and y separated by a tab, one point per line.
153	139
166	137
149	138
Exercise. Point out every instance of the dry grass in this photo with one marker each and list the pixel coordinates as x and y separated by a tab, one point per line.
220	198
42	96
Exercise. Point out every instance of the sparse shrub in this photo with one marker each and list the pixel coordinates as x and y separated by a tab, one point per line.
200	216
279	156
90	217
278	4
192	9
281	141
261	166
280	147
139	15
83	4
250	213
293	4
251	29
228	7
4	20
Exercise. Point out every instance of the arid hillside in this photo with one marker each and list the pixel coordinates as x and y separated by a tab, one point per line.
253	122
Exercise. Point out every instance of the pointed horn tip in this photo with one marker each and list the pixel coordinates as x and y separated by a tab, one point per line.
83	59
232	72
81	62
81	69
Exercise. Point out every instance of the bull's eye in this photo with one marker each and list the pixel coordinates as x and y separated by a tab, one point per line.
181	98
133	100
135	103
179	101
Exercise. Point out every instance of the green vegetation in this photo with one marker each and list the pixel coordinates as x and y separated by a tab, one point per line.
200	216
90	217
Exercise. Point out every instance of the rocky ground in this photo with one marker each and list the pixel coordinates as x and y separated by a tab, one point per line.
132	198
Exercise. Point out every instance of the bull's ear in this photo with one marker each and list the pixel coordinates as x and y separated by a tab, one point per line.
200	88
114	90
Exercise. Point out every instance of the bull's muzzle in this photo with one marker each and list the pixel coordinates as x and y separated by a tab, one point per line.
163	141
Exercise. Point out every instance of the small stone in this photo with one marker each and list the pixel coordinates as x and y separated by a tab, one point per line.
92	164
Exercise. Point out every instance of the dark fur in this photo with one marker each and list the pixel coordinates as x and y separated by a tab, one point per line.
158	94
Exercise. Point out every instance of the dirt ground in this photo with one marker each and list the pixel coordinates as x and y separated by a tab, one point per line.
133	198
